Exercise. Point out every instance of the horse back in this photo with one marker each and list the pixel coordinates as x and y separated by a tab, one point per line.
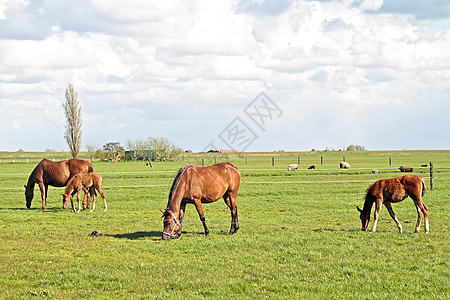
211	182
77	166
84	180
396	189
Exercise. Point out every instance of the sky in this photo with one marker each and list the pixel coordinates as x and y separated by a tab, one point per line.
250	75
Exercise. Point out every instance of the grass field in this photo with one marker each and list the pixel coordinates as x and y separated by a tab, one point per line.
299	234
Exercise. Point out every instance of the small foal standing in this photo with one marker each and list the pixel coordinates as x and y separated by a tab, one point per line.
392	190
83	182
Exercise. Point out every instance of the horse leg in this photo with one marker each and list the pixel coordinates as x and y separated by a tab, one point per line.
230	201
422	209
99	189
43	189
79	200
180	219
391	212
91	192
71	202
378	204
94	201
198	206
86	198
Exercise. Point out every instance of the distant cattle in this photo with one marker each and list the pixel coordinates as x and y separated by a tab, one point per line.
292	167
374	171
311	167
406	169
424	165
344	165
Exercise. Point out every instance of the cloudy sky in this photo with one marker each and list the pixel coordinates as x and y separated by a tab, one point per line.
254	75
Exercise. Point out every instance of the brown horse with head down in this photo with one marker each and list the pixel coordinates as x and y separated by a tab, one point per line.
55	174
197	185
392	190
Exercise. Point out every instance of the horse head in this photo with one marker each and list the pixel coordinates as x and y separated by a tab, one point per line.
172	227
365	218
66	200
28	196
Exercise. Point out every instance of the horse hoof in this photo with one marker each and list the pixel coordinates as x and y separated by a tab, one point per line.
91	210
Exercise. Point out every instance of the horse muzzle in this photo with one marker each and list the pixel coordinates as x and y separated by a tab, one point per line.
166	237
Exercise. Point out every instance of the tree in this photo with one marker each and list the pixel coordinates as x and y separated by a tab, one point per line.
140	147
112	152
155	148
72	111
356	148
163	148
92	150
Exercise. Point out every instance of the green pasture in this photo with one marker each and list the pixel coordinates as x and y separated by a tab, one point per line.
299	235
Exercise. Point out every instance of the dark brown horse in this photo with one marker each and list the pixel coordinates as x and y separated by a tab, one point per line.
392	190
55	174
197	185
82	182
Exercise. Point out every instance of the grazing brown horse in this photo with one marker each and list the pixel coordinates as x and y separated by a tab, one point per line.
392	190
55	174
83	182
197	185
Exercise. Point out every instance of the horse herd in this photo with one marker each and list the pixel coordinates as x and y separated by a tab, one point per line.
205	184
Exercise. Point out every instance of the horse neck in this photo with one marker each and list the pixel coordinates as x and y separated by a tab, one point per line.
175	200
32	179
69	187
176	190
368	203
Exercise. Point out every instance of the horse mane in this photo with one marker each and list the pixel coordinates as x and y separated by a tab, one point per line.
369	199
33	175
174	184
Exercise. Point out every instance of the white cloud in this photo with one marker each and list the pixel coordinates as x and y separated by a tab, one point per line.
176	67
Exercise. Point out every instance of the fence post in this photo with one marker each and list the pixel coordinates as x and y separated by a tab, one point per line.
273	161
390	160
431	176
298	160
321	160
203	161
343	158
246	160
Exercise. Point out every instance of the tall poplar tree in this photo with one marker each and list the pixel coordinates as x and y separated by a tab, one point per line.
72	110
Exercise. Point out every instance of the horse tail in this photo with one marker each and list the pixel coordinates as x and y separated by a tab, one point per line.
423	187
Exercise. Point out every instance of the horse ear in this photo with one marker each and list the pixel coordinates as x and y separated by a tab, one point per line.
25	186
163	212
359	209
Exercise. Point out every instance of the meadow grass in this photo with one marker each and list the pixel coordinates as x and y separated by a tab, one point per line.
299	235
